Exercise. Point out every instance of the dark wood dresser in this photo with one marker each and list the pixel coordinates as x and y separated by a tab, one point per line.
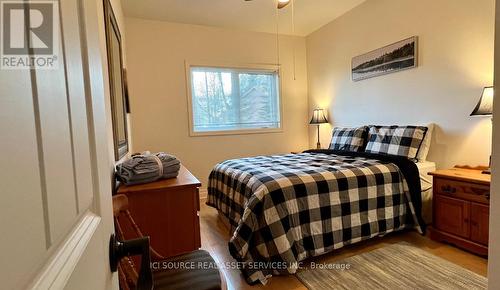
461	208
168	212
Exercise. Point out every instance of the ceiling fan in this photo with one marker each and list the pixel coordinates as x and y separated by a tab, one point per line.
281	3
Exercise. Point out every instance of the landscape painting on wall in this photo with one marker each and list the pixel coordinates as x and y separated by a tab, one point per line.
395	57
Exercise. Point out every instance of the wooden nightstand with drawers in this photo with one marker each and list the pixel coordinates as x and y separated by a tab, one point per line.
461	204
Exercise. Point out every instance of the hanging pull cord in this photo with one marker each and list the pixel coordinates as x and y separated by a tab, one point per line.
293	43
277	37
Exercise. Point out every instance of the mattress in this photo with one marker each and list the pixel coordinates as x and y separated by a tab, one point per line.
424	167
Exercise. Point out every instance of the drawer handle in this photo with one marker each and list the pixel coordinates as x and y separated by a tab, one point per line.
478	191
448	189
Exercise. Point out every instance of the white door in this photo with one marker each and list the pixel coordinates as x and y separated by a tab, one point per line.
56	158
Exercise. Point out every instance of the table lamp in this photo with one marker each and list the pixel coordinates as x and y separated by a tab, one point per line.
485	108
318	118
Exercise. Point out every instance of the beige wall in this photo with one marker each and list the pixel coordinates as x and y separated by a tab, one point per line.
494	249
156	52
456	61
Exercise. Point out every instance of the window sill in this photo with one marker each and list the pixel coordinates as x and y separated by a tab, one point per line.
236	132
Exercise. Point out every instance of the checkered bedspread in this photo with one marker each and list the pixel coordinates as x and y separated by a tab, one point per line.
286	208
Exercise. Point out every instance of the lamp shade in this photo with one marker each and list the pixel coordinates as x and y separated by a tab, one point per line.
485	105
318	117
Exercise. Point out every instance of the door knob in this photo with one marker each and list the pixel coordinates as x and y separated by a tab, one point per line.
120	249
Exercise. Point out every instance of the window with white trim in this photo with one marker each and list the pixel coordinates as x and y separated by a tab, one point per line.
234	99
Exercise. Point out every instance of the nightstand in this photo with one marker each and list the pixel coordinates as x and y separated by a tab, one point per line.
461	208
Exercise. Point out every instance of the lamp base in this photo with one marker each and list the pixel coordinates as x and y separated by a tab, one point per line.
318	144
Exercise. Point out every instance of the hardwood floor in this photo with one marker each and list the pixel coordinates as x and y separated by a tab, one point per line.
214	238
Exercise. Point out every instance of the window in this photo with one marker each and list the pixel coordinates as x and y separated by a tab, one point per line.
226	100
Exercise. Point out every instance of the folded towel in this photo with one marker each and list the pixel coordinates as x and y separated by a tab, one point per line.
148	167
141	181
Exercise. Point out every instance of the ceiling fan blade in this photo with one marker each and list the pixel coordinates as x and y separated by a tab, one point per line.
281	3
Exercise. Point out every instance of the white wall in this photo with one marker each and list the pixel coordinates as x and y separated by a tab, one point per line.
494	245
156	52
456	62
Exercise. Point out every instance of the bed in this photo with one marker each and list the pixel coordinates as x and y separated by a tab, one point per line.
284	209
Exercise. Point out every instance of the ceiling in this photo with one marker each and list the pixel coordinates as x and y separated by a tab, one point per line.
256	15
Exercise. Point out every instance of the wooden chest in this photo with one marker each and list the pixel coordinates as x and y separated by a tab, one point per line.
168	212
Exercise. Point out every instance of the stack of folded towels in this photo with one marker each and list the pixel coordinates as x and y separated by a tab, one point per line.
148	167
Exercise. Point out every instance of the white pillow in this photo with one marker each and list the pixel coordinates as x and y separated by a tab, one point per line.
426	143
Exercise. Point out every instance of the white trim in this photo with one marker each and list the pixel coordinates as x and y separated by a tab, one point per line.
272	67
235	132
56	273
243	66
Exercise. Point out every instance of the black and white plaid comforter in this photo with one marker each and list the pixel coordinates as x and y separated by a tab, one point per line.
287	208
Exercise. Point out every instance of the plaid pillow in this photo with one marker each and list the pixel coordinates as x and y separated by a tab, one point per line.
396	140
349	139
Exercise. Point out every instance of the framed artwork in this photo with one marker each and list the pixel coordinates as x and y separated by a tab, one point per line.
395	57
116	82
125	83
